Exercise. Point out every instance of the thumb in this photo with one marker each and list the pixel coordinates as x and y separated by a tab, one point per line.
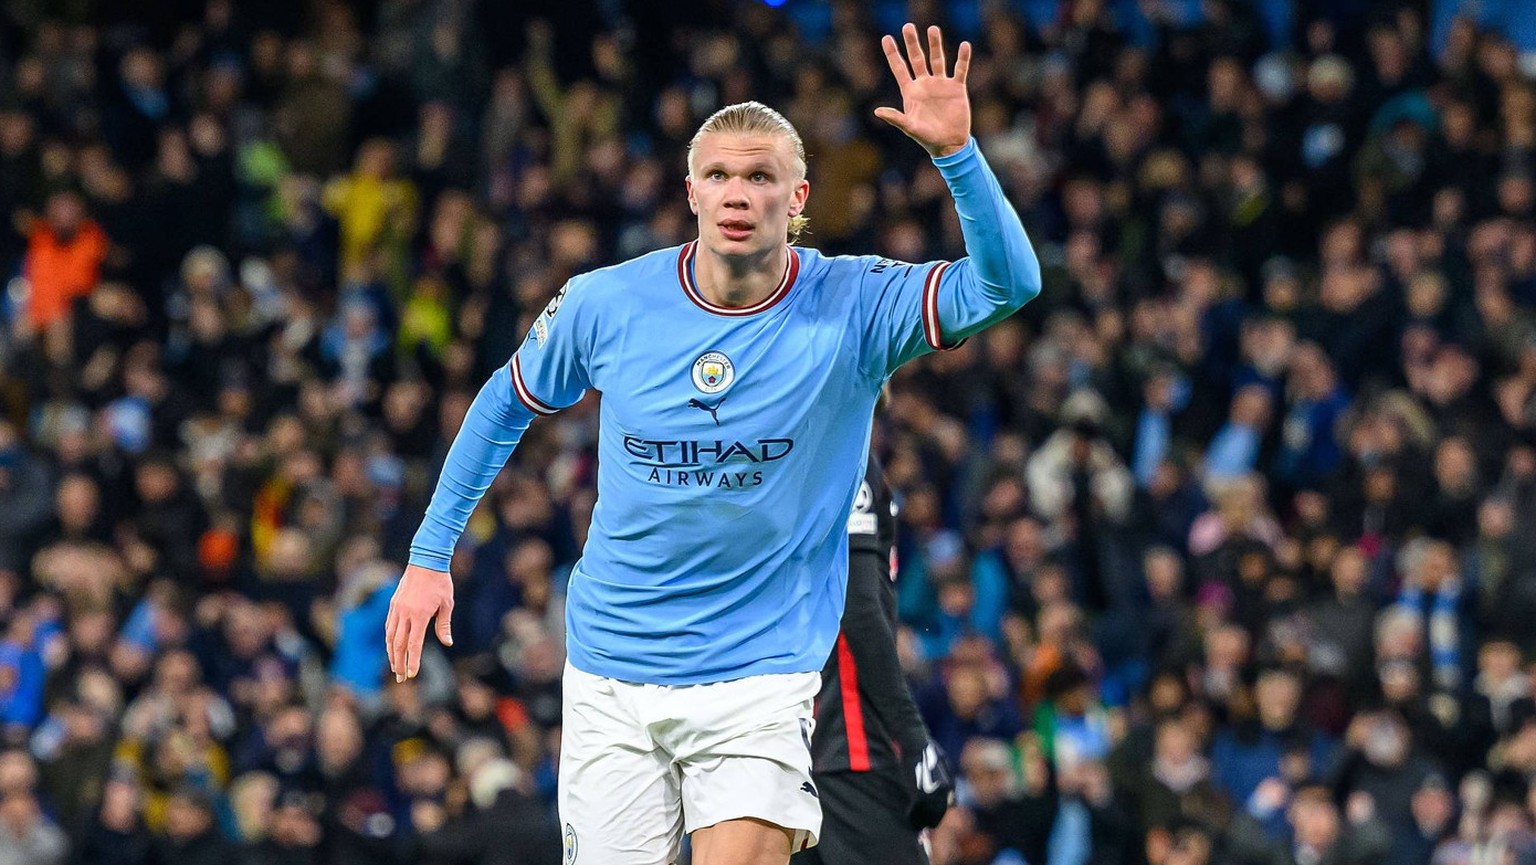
892	116
445	625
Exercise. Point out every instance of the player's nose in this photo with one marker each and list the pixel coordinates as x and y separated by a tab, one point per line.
736	194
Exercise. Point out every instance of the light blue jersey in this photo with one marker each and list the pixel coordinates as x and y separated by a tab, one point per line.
731	440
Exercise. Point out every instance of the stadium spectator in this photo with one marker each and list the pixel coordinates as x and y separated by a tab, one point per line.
65	250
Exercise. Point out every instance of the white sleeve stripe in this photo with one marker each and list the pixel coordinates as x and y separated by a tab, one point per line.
931	332
534	404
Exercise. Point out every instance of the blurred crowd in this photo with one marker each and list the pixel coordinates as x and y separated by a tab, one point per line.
1221	551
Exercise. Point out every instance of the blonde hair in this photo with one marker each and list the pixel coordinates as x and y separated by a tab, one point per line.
755	118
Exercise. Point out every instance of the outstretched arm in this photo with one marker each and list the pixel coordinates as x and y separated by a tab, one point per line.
1001	272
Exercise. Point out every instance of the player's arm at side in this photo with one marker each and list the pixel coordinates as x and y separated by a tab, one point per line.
869	630
547	373
914	309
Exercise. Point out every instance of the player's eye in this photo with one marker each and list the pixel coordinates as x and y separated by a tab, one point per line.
717	174
759	177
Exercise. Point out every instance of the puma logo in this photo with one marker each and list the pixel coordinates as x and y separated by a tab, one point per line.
712	409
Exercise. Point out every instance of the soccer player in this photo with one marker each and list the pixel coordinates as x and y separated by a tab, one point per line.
738	375
881	779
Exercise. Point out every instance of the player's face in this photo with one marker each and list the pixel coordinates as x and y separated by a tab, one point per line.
744	189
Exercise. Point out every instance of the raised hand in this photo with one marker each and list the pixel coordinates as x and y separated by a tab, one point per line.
935	109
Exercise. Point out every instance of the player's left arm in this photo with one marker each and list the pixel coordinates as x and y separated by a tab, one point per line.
869	634
869	630
1000	272
869	627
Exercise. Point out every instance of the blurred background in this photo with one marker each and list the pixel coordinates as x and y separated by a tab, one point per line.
1223	550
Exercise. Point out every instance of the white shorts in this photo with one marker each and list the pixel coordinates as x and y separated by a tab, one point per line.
641	765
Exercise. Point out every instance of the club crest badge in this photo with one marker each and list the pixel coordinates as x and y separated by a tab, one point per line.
713	372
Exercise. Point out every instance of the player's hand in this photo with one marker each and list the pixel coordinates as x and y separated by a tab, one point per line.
935	109
933	785
422	594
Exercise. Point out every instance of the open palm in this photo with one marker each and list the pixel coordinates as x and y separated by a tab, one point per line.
935	109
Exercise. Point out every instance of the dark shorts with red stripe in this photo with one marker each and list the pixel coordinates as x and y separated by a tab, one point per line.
863	820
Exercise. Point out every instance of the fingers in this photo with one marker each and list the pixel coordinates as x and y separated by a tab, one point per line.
399	648
893	57
923	65
963	62
915	51
415	640
893	117
445	623
421	595
389	637
406	637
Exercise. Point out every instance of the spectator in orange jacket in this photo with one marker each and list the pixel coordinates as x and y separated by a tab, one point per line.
64	254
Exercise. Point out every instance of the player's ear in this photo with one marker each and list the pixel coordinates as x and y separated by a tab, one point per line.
693	204
797	201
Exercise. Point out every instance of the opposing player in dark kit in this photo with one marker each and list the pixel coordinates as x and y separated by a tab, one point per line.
880	778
